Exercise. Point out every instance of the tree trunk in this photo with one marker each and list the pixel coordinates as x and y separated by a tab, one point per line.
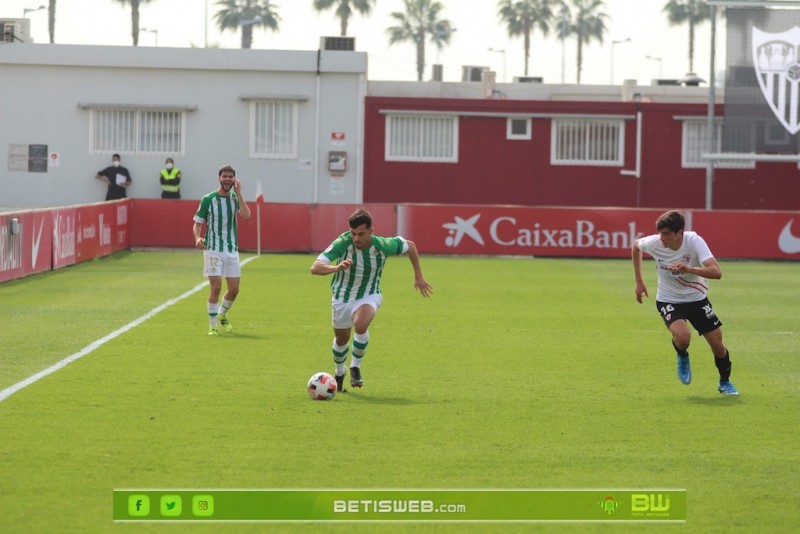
247	36
580	56
527	50
420	56
135	21
343	26
691	46
51	21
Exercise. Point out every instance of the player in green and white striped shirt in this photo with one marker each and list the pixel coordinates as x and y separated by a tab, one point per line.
359	258
218	211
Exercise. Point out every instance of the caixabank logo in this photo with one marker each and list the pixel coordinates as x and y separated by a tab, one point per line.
510	231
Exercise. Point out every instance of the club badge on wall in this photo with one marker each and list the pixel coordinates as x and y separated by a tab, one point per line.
775	60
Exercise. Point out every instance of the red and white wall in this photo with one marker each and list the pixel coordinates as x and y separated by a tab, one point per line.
492	169
51	239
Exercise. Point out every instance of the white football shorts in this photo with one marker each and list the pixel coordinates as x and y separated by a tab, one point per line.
342	312
224	264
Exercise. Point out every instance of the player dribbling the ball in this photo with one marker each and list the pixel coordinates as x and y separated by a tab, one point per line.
356	260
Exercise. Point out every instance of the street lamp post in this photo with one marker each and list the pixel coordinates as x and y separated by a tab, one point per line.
614	43
659	64
150	31
31	10
501	51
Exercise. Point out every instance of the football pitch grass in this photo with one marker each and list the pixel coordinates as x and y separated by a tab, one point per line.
517	373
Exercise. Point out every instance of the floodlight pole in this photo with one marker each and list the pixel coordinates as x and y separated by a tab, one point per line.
710	130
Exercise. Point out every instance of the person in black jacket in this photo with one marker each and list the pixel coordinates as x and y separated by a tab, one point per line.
117	177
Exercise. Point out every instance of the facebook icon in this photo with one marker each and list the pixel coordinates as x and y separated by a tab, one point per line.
138	505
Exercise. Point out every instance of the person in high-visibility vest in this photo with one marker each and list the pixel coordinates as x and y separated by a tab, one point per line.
170	180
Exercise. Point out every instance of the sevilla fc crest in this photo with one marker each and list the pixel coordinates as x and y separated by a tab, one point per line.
775	59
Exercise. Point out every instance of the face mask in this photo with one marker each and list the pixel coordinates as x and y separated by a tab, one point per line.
169	166
115	163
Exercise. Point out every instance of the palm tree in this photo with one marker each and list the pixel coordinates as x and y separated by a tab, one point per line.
523	17
247	14
692	12
344	9
134	17
419	23
586	22
51	20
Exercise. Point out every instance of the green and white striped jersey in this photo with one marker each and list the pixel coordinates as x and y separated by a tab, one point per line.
219	213
364	275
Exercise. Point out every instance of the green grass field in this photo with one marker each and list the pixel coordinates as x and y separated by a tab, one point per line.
517	373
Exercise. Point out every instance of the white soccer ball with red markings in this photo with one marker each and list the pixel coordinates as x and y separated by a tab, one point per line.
322	386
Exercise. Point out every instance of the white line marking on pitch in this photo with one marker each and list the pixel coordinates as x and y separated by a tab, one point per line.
6	393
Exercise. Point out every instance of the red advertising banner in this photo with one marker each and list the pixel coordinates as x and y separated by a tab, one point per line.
587	232
25	244
750	234
64	224
522	231
101	229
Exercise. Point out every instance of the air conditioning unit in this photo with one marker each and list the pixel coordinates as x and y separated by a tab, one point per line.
15	31
472	73
338	43
528	79
665	81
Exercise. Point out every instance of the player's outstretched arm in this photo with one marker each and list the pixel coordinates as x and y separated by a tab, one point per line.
424	287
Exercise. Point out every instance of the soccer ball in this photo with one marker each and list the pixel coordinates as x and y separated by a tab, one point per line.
322	386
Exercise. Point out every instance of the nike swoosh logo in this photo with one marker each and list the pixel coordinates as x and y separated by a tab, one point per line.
35	248
788	243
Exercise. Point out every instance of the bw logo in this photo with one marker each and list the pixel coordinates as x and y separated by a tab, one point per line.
652	502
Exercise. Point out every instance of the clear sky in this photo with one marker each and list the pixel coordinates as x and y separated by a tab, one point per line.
181	23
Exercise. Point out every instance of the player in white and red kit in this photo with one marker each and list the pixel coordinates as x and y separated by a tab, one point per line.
684	264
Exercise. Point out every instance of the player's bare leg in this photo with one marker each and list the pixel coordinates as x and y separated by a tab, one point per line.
681	336
362	318
215	284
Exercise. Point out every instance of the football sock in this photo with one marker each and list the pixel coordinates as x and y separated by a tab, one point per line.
213	311
724	366
684	352
359	347
226	306
339	357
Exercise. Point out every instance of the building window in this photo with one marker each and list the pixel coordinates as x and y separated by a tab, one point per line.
137	131
421	138
587	142
273	129
518	128
694	146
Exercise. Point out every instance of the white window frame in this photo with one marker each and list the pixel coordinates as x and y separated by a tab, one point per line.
691	154
415	149
255	153
133	125
520	137
583	128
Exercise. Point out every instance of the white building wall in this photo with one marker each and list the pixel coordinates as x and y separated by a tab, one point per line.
47	91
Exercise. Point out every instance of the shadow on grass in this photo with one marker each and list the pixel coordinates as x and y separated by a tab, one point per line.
396	401
719	400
